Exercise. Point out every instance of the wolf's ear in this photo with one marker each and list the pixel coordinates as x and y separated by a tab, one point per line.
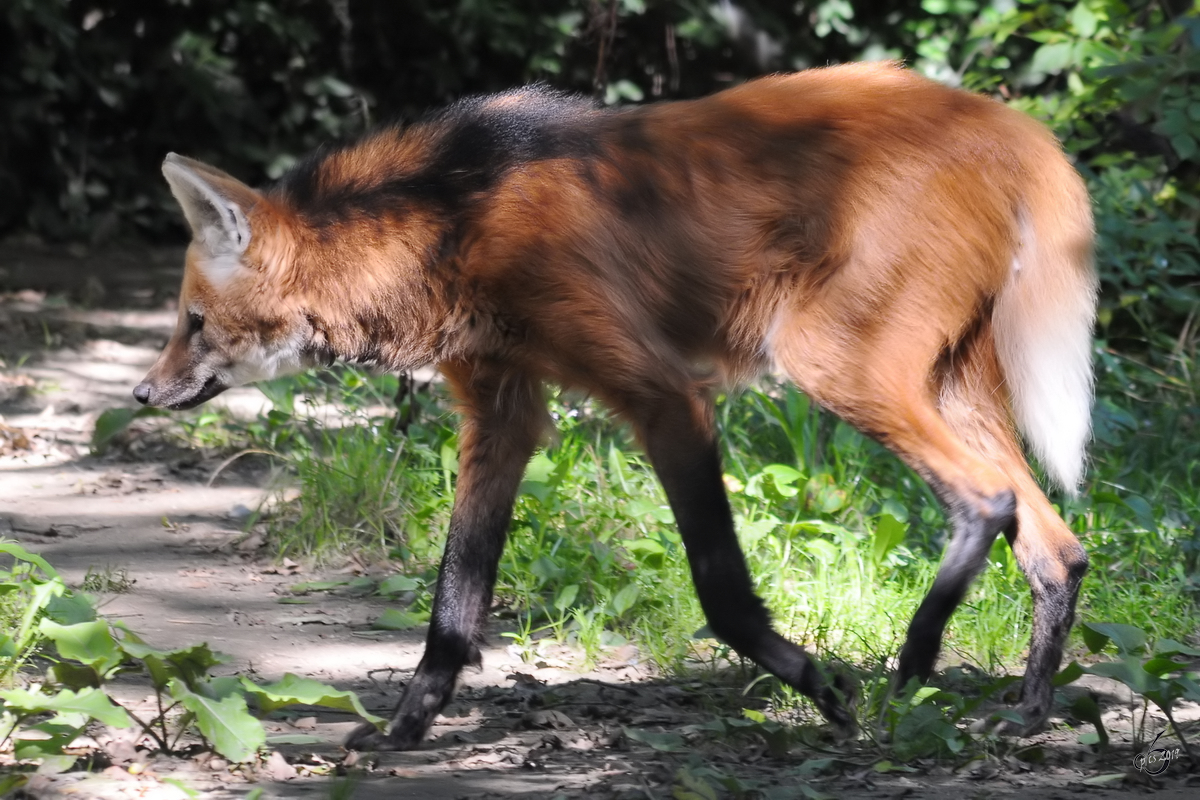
214	203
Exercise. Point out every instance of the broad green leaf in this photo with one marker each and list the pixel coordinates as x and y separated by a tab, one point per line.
889	533
618	468
449	458
922	731
1069	674
1185	147
645	549
57	736
89	701
539	469
1140	506
226	723
815	766
67	608
88	642
17	551
114	420
1086	709
75	676
612	639
220	688
540	479
1083	20
39	596
1188	687
1129	672
398	584
1162	665
623	600
110	422
189	663
645	507
846	439
547	569
1175	122
751	532
784	478
293	690
566	597
1108	497
1170	647
634	6
1127	638
393	619
1052	58
1009	715
823	550
896	509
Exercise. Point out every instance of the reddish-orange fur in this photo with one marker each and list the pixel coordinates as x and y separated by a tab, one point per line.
860	227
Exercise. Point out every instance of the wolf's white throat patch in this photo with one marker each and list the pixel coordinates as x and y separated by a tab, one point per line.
261	363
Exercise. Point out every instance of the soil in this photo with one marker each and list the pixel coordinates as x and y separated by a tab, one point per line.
78	329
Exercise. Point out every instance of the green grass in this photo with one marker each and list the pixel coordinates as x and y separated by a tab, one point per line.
594	560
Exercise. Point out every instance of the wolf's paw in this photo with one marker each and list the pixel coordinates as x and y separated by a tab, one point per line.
836	702
367	738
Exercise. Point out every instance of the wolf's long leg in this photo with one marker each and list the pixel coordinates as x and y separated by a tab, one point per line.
952	426
679	438
503	418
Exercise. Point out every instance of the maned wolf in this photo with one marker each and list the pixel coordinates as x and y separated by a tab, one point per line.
915	258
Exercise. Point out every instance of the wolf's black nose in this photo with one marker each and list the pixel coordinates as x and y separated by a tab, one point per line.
142	393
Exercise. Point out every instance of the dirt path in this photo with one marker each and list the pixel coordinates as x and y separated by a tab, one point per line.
146	518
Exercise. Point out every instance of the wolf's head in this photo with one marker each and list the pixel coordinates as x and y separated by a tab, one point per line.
236	322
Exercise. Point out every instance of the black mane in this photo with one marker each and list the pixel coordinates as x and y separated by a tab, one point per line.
473	143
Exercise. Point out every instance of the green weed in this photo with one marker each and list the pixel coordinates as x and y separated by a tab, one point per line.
844	540
43	718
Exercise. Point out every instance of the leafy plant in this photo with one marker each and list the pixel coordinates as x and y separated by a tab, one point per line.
1161	673
40	720
843	537
31	591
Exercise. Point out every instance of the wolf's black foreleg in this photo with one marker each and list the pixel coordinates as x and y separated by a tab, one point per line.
504	417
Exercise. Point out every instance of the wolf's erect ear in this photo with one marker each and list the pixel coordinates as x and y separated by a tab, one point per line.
214	203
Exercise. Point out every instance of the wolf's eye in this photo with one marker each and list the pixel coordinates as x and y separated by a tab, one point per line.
195	323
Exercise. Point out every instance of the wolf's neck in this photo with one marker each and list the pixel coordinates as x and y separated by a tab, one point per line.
372	301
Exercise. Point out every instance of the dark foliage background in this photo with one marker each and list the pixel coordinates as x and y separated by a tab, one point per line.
95	92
